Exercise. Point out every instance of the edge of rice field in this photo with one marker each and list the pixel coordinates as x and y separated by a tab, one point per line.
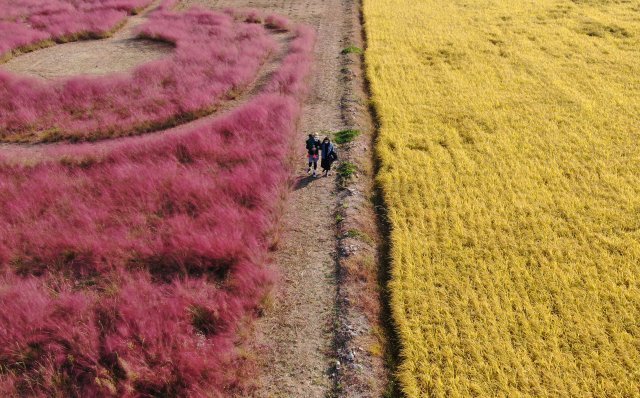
364	235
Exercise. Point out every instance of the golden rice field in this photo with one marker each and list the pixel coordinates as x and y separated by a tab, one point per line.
510	164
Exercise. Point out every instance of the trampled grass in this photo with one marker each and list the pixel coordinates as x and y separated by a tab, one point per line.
510	165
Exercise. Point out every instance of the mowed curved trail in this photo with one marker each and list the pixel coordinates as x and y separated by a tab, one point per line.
295	336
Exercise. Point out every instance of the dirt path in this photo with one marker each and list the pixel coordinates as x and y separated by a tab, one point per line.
296	335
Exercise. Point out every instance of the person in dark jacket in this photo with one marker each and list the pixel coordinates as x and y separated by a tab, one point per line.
312	140
313	149
329	155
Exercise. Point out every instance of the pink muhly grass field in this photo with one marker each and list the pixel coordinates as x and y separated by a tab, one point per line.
214	57
128	265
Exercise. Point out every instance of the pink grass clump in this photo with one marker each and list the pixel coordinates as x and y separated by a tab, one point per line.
15	35
214	57
127	266
276	21
73	24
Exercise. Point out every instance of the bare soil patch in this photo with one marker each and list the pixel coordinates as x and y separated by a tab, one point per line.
100	57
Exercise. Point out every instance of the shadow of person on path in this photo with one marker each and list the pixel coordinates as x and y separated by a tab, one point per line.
303	182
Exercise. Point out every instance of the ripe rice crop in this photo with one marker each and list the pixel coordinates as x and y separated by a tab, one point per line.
510	168
128	265
213	58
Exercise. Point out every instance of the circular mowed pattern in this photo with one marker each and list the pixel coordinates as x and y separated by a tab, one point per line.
214	57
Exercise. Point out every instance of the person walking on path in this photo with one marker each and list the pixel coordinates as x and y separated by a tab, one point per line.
329	155
313	149
313	140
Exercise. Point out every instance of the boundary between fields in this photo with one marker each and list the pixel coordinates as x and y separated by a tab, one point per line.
365	343
393	344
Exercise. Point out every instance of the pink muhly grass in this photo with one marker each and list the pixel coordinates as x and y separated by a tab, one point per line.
194	208
15	35
213	57
12	9
128	265
276	21
69	25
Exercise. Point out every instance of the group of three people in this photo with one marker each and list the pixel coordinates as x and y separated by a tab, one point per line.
324	151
